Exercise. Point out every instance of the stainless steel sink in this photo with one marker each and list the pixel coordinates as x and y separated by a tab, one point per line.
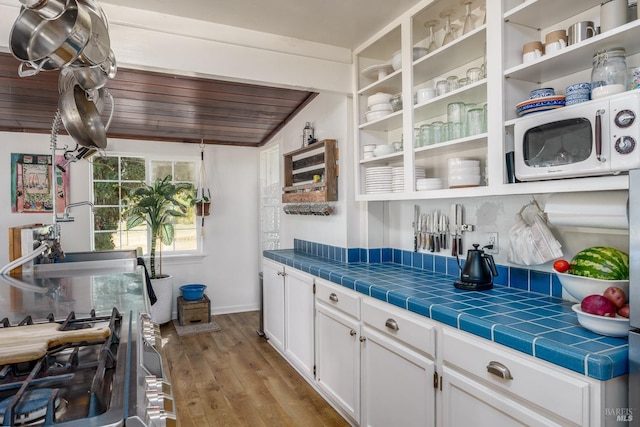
99	255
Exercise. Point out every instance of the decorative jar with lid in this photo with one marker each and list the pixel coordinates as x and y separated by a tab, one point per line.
609	73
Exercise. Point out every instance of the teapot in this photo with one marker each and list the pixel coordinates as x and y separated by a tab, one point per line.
478	271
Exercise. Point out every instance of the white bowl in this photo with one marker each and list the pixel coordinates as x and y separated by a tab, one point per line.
383	149
610	326
379	98
375	115
463	170
464	180
369	147
368	155
579	287
385	106
460	162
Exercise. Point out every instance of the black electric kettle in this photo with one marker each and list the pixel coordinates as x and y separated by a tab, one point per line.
478	271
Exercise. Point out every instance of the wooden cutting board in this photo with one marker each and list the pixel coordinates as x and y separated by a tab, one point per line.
29	342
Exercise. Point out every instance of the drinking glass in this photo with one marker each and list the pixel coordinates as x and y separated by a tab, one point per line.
468	17
418	136
437	132
425	135
431	39
475	121
448	30
463	82
475	74
455	112
452	83
441	87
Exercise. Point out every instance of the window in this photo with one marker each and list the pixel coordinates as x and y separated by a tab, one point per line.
113	172
270	198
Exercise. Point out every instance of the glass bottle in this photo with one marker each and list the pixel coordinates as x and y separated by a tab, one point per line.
307	134
609	73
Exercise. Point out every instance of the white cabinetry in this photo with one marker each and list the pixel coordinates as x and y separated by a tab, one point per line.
338	347
299	324
288	314
505	27
497	386
397	376
273	301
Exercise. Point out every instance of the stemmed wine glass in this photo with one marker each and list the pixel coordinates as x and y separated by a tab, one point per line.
448	31
432	40
468	17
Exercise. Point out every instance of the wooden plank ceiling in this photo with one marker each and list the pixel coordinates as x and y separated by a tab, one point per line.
158	107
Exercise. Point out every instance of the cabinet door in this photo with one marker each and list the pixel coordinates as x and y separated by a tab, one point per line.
397	384
338	359
273	301
299	317
469	403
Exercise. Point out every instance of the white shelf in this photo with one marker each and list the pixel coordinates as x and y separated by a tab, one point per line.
392	83
539	14
460	51
393	158
577	57
467	143
387	123
475	92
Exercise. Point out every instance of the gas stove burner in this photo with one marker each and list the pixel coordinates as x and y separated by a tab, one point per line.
31	410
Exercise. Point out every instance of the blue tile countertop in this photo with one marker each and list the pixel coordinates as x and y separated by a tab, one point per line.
539	325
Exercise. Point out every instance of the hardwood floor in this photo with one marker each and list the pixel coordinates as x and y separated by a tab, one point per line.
235	378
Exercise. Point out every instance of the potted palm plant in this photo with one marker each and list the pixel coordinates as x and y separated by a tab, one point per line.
158	205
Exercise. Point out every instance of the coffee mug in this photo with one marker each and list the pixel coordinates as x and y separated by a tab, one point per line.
531	51
581	31
555	46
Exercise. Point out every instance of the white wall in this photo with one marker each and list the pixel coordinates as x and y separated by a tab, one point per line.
330	117
230	265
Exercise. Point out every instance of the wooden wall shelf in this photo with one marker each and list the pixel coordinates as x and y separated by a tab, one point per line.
300	166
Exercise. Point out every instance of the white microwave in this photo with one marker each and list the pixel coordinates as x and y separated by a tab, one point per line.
598	137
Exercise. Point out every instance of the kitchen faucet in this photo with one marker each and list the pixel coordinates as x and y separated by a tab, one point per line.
65	214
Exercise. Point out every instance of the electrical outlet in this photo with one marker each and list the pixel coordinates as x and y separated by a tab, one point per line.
493	240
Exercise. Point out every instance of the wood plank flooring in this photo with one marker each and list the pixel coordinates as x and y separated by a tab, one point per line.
235	378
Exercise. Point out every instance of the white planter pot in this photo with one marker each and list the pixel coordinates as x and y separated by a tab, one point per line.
161	310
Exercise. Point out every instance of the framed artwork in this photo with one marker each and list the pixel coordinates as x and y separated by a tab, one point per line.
31	184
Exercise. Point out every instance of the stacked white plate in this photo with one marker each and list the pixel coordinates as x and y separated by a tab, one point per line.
425	184
378	180
397	181
463	172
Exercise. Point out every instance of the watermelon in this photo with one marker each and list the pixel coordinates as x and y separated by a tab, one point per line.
600	262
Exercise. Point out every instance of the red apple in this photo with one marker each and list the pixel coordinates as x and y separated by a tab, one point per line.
598	305
624	311
616	296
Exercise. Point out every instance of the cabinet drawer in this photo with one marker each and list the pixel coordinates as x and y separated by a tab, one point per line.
404	326
551	389
343	299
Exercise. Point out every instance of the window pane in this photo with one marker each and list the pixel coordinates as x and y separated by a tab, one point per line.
133	169
185	171
160	170
129	187
185	239
106	218
106	193
103	241
105	168
134	238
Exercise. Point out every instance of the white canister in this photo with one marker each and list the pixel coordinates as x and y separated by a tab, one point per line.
613	14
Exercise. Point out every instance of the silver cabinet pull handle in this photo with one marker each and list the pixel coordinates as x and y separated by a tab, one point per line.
499	370
333	297
352	332
392	324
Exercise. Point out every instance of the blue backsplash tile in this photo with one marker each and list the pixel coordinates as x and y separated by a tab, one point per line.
513	277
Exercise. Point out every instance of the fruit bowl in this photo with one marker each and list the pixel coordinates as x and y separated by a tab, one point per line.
610	326
579	287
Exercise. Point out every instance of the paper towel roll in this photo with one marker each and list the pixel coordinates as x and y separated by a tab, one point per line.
598	209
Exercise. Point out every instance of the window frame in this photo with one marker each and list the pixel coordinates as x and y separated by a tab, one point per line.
148	160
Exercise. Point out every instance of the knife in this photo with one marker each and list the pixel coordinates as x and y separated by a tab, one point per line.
459	223
454	230
416	218
420	231
424	231
436	230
